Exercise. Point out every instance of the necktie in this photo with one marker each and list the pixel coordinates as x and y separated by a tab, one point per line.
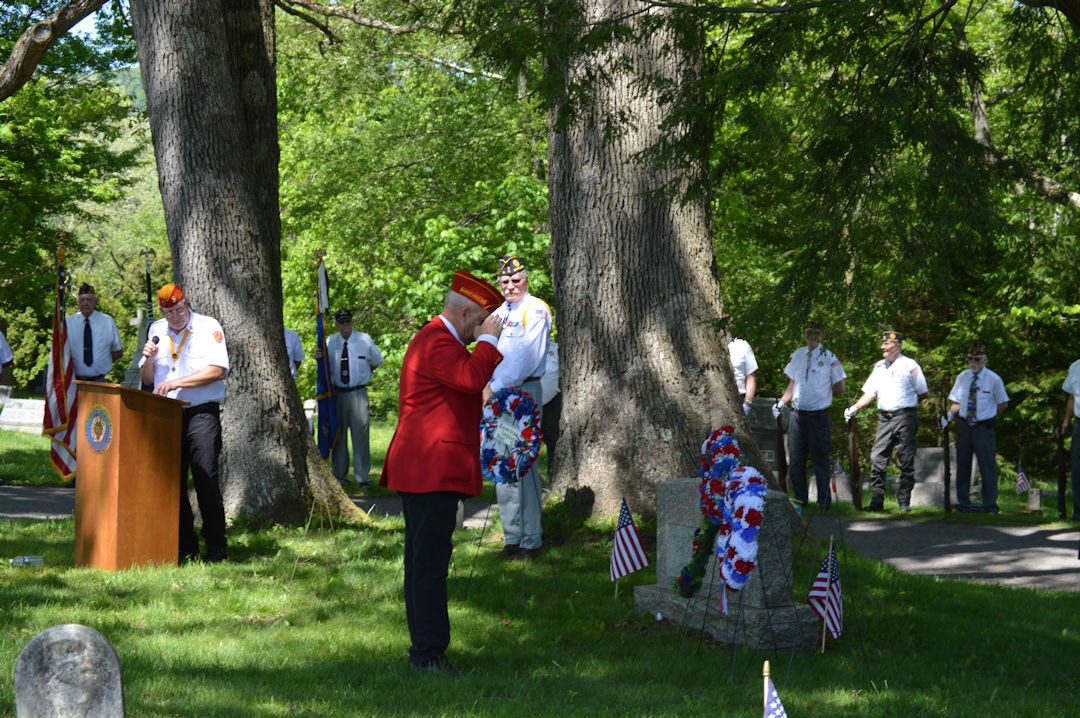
345	364
973	401
87	344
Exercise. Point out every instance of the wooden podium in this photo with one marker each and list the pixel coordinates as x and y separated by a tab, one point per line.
127	488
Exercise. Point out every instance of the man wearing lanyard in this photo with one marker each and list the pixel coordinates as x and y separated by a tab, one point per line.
978	397
898	384
185	358
352	357
92	338
523	344
814	375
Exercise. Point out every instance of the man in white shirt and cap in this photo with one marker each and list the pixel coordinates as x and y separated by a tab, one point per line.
92	338
978	397
523	344
185	358
898	384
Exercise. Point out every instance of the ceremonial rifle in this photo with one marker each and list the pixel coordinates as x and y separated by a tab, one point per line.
948	468
781	453
1062	463
856	479
946	458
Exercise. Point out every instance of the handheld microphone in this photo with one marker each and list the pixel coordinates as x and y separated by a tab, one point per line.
155	340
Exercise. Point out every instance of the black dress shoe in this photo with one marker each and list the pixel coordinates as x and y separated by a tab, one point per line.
216	555
440	665
875	507
509	550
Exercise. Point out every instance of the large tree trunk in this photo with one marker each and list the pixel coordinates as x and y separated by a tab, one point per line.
208	70
645	371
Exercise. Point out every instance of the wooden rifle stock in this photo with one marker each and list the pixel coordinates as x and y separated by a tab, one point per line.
1062	459
781	454
948	468
856	479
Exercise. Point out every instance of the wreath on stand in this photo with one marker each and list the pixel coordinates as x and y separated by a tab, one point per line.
732	505
509	435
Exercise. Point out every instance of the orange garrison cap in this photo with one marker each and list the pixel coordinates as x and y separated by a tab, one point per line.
169	296
472	287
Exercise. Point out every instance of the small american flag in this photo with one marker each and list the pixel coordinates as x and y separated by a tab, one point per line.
1022	483
773	707
825	597
627	555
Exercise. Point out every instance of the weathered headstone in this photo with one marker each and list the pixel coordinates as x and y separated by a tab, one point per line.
68	671
929	489
764	614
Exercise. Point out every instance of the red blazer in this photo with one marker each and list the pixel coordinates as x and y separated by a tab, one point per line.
436	446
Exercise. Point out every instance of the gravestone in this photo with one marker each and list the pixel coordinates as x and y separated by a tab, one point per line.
764	615
929	489
68	671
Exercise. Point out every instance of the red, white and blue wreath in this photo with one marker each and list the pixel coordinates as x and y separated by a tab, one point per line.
737	542
509	435
719	456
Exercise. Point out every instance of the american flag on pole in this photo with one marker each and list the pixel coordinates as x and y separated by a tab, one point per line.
825	596
773	707
1022	483
328	427
627	555
60	400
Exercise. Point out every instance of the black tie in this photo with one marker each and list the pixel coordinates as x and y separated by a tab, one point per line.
87	344
345	364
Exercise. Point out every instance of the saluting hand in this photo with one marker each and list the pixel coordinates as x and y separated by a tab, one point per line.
492	325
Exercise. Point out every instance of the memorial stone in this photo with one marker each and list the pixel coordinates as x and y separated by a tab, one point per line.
764	615
68	671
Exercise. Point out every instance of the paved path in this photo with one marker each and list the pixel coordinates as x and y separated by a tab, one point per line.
1031	556
58	502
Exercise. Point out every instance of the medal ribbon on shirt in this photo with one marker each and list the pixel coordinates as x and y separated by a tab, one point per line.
175	350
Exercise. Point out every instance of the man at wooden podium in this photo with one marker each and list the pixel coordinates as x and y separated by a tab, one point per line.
185	358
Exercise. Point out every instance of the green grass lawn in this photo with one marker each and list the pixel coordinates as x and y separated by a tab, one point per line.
311	623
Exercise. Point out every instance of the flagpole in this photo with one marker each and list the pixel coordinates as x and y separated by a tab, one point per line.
828	588
765	685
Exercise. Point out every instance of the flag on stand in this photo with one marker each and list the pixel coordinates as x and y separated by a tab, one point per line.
825	596
627	555
773	707
328	427
60	400
1022	483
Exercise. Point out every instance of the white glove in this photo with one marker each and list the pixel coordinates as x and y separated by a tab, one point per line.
850	412
746	409
945	420
776	409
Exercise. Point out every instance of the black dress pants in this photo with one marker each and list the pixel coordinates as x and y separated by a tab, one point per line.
200	452
429	524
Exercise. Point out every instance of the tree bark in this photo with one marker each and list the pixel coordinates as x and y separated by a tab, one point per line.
645	368
208	71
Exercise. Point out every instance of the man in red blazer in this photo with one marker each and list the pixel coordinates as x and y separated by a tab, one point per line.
434	458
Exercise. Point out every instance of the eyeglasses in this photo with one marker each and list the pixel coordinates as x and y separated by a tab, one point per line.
174	312
511	280
976	357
